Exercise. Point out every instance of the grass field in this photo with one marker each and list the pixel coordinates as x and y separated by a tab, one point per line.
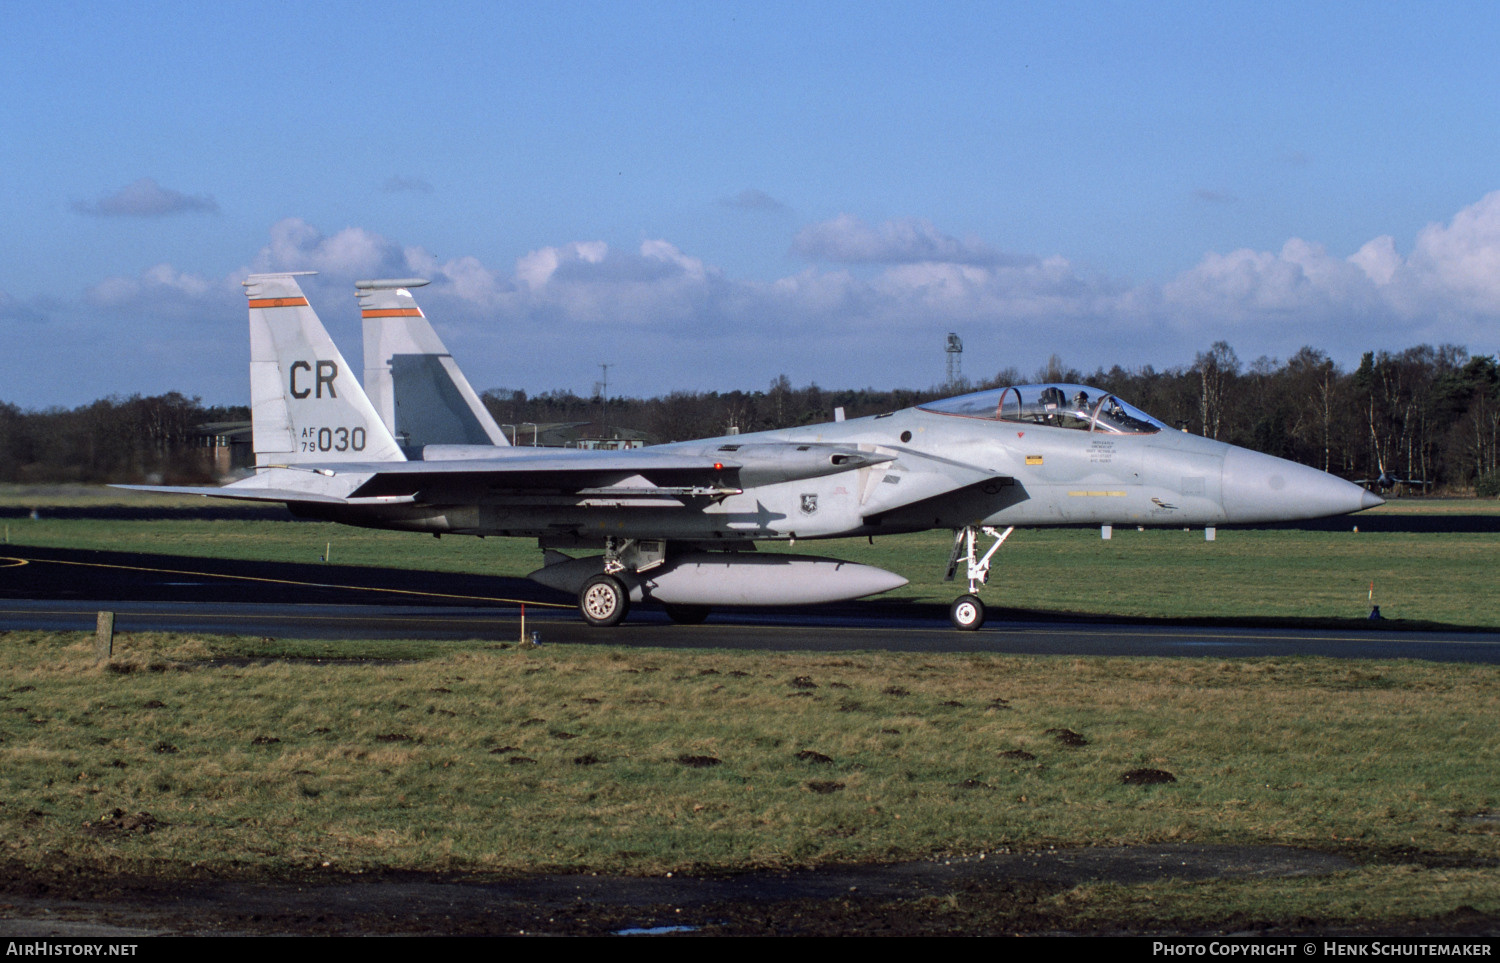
486	758
482	757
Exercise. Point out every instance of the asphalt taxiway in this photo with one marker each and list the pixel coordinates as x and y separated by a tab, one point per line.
66	589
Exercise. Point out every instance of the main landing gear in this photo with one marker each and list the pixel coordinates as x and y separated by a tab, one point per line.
603	601
967	611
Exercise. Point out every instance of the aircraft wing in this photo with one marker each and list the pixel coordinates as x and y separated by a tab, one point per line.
229	491
574	473
703	471
915	478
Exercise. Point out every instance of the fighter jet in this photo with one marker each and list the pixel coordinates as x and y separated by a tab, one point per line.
1385	481
678	523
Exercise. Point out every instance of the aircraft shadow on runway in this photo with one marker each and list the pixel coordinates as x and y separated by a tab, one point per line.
62	574
207	512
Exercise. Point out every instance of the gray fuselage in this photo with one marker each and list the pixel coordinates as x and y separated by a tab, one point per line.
946	471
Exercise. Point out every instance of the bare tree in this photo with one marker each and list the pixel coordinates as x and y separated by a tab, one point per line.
1217	369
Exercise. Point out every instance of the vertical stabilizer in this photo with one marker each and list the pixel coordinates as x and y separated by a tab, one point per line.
306	404
412	380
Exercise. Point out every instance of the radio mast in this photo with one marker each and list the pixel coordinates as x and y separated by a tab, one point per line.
955	352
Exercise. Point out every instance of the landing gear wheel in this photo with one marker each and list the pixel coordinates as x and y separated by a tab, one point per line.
966	613
687	614
603	601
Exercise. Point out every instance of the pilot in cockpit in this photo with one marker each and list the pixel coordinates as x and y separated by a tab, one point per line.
1052	400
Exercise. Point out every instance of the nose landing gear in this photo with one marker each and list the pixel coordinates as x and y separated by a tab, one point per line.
967	611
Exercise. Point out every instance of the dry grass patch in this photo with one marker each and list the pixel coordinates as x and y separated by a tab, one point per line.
1373	895
471	759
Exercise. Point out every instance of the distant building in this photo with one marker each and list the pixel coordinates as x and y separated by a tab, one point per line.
583	434
227	446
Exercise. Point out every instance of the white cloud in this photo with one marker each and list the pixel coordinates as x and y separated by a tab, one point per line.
406	185
671	304
1452	276
468	280
353	252
1458	264
1378	259
849	240
146	198
1300	283
752	199
536	269
590	281
671	321
161	291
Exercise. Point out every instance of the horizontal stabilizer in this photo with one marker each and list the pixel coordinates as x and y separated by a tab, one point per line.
242	494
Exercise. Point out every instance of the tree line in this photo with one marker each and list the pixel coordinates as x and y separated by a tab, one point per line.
1426	413
160	438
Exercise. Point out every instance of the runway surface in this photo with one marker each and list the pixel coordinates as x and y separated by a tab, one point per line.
65	589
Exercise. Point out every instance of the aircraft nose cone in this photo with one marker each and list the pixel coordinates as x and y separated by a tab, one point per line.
1263	488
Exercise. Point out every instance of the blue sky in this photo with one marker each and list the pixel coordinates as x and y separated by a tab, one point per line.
707	195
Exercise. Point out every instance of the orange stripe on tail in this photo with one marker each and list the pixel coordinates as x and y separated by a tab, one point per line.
278	302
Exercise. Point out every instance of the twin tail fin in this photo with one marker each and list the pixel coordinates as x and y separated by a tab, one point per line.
306	403
413	382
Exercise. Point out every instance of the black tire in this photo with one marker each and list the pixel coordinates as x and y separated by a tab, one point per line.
603	601
966	613
686	614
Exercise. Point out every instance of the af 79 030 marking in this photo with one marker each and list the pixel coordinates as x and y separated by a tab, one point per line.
340	438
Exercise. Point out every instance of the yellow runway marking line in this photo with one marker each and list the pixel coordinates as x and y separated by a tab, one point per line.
427	619
734	629
1253	636
280	581
11	562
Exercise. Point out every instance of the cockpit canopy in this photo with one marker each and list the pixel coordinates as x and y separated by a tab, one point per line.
1057	405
